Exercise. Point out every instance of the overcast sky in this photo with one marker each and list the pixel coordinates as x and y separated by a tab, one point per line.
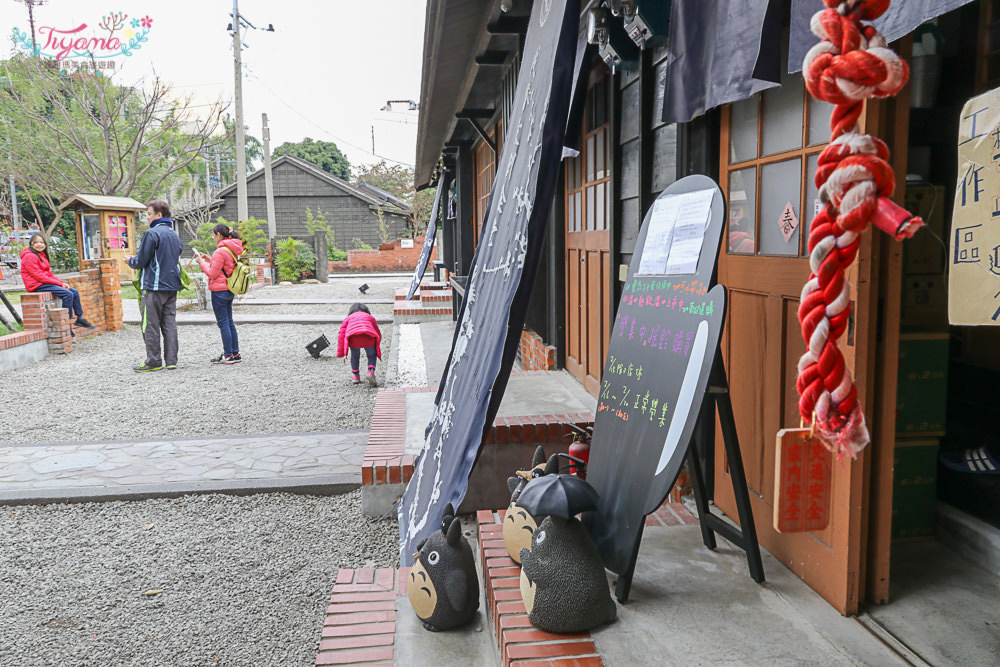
325	72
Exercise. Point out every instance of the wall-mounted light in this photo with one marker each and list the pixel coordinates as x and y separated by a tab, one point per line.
506	5
647	22
598	21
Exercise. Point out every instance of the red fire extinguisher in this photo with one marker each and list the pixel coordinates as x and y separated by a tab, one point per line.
579	451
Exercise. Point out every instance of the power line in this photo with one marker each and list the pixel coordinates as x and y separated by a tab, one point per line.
320	128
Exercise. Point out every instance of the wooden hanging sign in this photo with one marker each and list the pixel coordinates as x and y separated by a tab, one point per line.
801	482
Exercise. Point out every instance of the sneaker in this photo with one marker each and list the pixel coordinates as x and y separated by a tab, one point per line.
80	322
143	368
234	358
218	360
372	382
170	367
355	378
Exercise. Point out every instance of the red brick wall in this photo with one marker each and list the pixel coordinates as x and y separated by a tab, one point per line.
388	257
100	295
535	354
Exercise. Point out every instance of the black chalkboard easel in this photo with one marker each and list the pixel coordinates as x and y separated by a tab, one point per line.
635	460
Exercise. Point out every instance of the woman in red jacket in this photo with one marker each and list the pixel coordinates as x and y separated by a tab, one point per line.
217	269
37	275
358	331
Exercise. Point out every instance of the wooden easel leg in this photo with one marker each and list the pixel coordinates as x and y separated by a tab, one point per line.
700	496
624	584
742	496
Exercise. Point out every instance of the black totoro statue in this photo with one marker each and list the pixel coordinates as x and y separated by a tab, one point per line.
518	523
562	579
443	586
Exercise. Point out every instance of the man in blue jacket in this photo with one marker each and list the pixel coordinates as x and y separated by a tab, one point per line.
157	258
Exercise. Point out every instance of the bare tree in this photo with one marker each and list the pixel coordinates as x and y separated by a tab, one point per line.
87	133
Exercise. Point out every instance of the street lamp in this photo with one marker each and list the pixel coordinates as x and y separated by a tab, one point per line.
241	156
411	105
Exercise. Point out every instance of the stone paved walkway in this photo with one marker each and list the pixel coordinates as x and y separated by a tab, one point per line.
130	315
314	462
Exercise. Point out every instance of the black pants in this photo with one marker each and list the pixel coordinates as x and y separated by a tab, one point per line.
159	317
356	357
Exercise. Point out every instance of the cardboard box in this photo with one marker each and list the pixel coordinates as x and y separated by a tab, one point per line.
925	252
922	384
925	302
914	489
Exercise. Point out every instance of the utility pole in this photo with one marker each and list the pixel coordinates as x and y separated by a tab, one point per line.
272	223
373	140
241	156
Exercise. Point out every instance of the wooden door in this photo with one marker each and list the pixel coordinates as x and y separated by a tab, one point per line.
769	148
588	241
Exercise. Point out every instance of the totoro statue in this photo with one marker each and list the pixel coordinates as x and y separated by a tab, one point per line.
562	579
518	523
443	587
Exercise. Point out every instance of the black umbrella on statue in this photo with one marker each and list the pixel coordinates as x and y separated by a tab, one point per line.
559	495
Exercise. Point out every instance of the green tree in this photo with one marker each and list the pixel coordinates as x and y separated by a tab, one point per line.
398	181
295	260
72	134
323	154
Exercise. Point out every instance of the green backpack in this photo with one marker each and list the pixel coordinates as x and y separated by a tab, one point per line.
239	280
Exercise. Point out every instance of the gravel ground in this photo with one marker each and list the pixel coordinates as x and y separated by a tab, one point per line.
93	394
242	581
340	310
338	288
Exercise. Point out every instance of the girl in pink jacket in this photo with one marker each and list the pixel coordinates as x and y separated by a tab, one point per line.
358	331
217	269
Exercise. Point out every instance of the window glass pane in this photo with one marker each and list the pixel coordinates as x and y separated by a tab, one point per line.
812	199
742	199
600	140
743	130
819	121
782	129
599	208
780	185
589	207
91	236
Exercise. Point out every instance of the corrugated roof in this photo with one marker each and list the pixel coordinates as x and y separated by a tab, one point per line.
318	172
104	202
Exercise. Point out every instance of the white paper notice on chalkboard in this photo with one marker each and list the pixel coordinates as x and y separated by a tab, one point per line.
676	234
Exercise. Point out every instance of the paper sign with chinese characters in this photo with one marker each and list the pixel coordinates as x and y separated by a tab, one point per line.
801	482
974	246
788	222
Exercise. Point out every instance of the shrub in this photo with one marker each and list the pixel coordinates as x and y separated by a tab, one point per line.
295	258
359	244
318	223
335	254
254	238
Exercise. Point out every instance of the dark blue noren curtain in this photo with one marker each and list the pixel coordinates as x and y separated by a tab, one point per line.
425	252
902	17
503	268
716	54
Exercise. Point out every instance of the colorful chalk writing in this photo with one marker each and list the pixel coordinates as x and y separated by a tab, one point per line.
697	307
650	285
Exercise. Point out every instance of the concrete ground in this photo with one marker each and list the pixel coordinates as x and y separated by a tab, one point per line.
688	605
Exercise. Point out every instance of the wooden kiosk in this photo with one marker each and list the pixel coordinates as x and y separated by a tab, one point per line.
105	227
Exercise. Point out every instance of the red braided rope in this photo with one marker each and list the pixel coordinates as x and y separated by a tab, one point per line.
855	182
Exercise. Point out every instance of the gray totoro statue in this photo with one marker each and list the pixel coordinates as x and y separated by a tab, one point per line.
562	579
443	587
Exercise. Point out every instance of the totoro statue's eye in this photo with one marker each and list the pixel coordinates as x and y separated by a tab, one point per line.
433	558
539	536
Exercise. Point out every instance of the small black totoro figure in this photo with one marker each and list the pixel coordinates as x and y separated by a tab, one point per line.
443	588
562	579
518	524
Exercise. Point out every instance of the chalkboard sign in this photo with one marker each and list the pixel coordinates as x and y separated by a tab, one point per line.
663	344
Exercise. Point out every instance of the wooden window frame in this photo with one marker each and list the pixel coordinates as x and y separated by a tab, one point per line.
803	153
